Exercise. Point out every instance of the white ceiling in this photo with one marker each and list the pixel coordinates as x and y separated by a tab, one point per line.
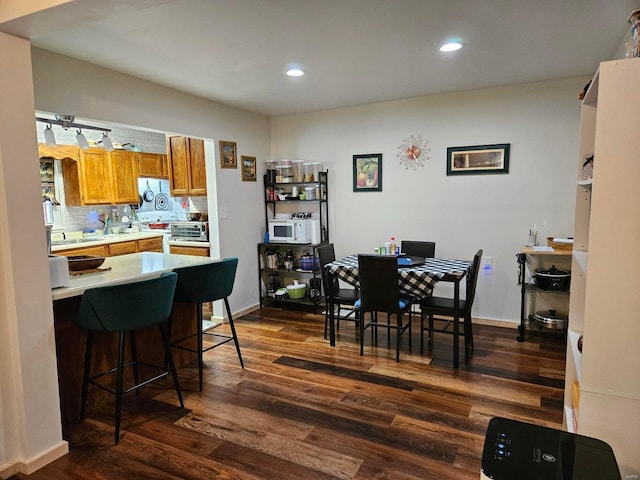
354	51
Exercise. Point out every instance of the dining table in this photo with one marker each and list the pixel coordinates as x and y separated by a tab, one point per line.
416	278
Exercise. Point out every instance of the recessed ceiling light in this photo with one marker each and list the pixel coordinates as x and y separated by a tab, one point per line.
451	47
295	72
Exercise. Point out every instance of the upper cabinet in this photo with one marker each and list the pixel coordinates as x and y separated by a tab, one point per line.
186	162
95	176
124	170
152	165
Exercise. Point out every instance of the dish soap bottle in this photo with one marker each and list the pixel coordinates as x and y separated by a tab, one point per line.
392	247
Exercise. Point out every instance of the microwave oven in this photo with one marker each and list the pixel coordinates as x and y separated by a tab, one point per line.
294	230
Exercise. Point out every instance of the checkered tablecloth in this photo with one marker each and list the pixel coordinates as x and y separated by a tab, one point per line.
417	281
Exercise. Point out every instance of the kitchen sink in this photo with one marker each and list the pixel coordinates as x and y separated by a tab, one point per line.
73	241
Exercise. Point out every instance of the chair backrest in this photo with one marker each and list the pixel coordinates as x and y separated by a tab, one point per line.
416	248
327	254
206	283
472	280
379	283
128	306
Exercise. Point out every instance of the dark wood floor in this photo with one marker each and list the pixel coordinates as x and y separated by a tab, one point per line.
303	410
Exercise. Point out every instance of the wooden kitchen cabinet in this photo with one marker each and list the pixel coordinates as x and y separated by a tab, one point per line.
124	177
59	151
195	251
152	165
150	245
98	177
95	251
186	164
153	244
123	248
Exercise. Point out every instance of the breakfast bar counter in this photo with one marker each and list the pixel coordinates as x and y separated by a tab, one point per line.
127	268
70	339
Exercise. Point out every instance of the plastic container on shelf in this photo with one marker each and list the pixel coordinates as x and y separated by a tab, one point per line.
298	171
310	193
279	176
287	171
634	20
317	167
308	172
271	171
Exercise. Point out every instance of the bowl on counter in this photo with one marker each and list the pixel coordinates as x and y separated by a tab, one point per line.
84	262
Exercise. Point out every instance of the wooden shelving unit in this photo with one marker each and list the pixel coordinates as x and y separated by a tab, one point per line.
605	299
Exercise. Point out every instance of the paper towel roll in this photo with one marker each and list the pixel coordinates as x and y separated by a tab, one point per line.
563	240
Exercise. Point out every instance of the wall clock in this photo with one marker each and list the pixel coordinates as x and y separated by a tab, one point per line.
412	152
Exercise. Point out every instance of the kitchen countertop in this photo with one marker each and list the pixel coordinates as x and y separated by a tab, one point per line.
128	268
103	240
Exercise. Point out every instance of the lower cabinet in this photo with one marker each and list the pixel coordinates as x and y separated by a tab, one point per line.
277	271
184	250
153	244
122	248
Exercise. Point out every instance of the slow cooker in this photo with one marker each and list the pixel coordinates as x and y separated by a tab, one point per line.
551	319
552	278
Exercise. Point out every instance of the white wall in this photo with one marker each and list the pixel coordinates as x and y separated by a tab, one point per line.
463	213
30	430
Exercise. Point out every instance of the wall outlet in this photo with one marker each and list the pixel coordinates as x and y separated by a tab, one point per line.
487	265
224	213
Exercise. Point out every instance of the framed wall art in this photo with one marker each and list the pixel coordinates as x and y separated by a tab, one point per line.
248	168
228	158
479	159
367	172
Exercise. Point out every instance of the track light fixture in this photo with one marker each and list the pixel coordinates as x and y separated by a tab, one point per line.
106	142
82	141
67	122
49	137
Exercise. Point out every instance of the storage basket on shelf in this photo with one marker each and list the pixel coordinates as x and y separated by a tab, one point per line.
557	244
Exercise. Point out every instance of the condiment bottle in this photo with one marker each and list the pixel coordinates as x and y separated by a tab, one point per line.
392	246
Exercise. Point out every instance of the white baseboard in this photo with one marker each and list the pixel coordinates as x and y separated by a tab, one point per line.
32	464
495	322
238	313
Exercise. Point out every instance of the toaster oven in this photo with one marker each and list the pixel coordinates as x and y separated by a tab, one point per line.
190	231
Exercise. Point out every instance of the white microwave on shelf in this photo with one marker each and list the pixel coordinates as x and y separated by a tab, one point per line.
294	230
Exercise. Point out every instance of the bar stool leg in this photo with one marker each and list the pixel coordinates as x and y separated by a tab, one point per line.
134	359
87	372
169	359
120	376
200	343
233	330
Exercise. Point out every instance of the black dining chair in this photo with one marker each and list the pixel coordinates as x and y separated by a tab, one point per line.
124	309
335	296
414	248
434	308
380	292
207	283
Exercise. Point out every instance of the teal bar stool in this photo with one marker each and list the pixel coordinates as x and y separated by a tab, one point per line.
124	309
207	283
